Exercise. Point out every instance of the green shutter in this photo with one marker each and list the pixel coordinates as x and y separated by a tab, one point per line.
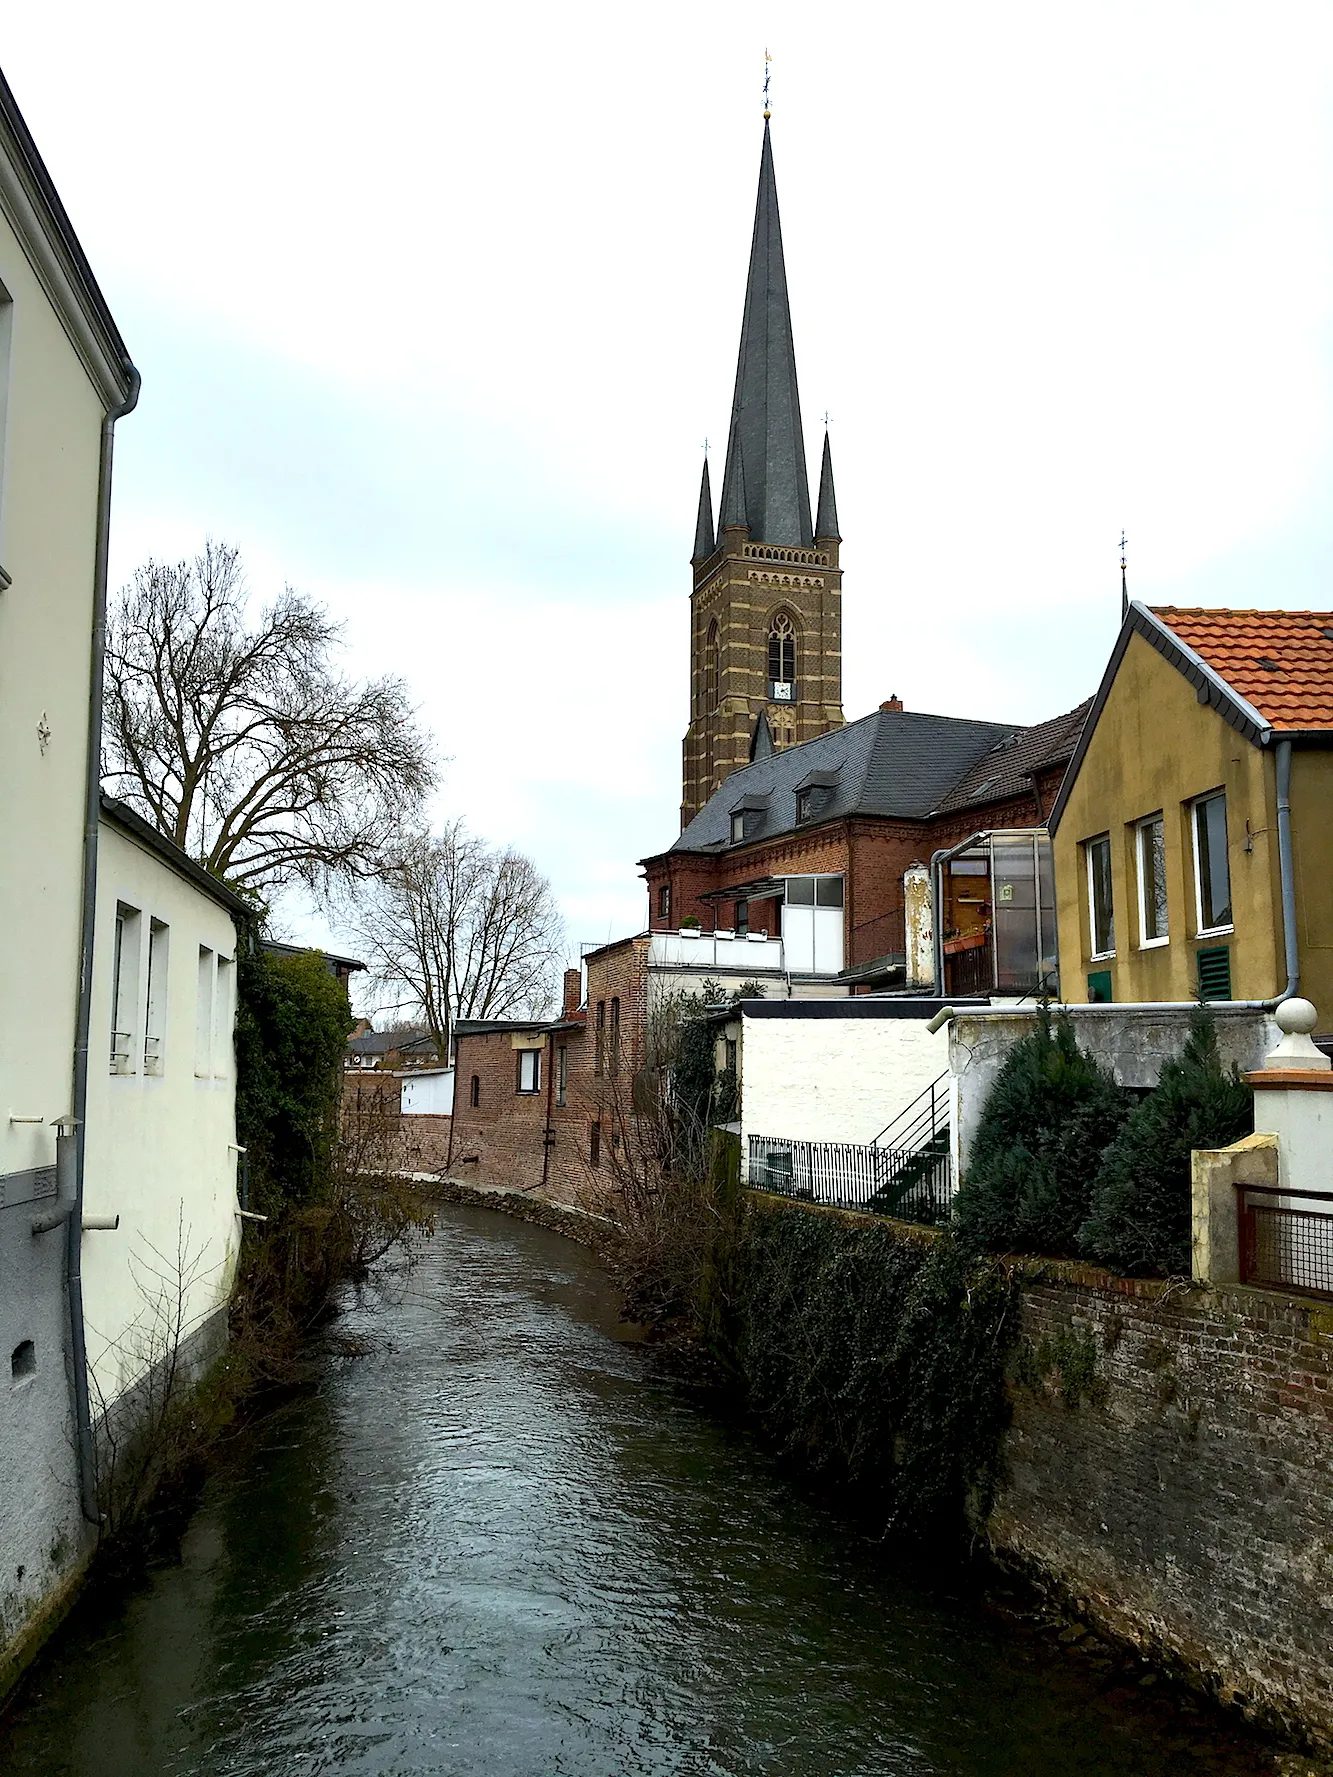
1099	988
1215	973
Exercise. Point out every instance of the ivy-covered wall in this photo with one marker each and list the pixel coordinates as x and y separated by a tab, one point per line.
1169	1463
1161	1453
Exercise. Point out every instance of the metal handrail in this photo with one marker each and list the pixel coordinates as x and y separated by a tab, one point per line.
923	1123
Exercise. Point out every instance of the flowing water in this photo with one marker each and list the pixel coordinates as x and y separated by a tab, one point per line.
498	1543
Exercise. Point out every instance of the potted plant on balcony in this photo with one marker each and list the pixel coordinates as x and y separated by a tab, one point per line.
689	926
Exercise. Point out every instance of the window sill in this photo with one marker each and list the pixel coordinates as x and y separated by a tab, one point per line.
1102	956
1154	943
1215	932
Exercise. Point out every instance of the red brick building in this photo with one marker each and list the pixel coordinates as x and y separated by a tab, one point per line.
813	844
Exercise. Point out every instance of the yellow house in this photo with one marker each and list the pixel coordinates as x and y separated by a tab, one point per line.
1193	833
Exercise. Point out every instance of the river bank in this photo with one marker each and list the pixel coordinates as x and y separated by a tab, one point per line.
492	1537
1151	1481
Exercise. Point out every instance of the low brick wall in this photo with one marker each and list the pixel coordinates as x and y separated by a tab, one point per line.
1170	1466
1169	1472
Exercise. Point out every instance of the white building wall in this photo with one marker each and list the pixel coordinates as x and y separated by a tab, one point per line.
428	1095
833	1079
50	436
51	412
158	1145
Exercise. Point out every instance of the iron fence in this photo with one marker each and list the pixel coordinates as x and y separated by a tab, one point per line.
1282	1246
914	1184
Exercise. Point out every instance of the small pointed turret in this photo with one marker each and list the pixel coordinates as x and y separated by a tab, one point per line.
826	519
761	741
704	541
765	486
731	509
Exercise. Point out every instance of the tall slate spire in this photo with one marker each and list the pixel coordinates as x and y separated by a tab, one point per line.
826	517
765	477
704	541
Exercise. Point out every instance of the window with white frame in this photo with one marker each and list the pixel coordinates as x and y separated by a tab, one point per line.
222	1017
1212	866
529	1070
125	990
203	1014
155	1017
1101	910
1150	850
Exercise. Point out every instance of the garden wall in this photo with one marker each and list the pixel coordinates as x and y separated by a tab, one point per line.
1170	1464
1167	1464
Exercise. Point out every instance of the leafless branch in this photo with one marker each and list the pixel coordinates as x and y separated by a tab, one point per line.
241	740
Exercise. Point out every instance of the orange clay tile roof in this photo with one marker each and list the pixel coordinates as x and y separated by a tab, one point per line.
1279	661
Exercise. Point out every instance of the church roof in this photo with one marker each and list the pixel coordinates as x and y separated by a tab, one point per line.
1007	769
890	763
765	485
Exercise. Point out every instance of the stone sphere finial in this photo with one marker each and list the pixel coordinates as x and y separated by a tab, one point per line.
1296	1017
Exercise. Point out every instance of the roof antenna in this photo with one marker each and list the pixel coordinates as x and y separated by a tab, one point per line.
768	62
1124	583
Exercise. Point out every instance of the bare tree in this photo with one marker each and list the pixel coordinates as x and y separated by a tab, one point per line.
459	930
242	741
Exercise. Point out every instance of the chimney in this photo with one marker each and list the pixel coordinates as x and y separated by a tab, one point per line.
892	703
573	991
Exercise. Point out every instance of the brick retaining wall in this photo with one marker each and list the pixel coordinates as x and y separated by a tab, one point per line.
1170	1466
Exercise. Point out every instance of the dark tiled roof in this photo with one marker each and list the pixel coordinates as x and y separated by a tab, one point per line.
381	1042
1008	768
893	762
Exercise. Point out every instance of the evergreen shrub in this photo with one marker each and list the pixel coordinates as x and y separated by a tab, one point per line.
1051	1113
1140	1211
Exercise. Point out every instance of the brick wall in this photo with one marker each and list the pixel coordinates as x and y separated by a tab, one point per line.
1171	1466
872	854
503	1139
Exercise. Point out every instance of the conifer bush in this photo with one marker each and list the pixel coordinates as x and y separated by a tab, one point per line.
1140	1213
1051	1113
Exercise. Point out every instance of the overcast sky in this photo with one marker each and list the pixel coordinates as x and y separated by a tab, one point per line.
435	305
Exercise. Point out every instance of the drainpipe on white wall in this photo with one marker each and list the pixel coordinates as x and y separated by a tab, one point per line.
83	1424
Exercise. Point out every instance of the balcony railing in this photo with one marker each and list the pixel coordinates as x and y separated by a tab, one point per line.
1282	1246
755	955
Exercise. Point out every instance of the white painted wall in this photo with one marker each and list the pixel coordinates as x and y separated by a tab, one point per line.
428	1095
1132	1041
833	1079
49	449
158	1151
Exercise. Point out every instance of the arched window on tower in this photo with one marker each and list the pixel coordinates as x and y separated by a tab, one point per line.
710	668
782	659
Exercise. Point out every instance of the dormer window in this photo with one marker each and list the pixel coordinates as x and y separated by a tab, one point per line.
748	818
811	803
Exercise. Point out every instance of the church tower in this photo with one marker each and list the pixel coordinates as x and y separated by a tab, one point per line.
766	610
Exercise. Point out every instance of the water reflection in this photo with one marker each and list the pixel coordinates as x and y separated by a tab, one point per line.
496	1544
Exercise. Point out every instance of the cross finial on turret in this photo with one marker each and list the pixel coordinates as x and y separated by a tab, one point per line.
768	62
1124	582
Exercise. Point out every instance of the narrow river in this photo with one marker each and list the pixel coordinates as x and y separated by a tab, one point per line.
496	1542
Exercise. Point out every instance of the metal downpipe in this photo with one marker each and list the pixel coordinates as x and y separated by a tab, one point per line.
1287	874
83	1425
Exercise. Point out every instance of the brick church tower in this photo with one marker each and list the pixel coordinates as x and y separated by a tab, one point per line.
766	610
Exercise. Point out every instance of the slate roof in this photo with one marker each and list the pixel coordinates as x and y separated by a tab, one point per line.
765	483
892	762
382	1042
1008	768
1281	662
